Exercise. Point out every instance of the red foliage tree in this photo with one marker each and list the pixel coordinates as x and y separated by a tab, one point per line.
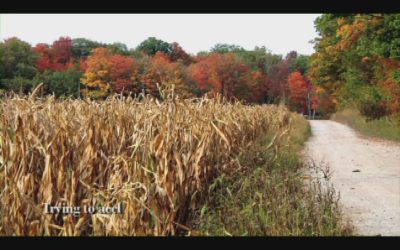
389	86
106	72
222	73
123	72
278	86
44	60
58	57
259	84
62	50
177	53
300	92
82	64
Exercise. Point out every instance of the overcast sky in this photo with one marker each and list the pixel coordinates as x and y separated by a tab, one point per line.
280	33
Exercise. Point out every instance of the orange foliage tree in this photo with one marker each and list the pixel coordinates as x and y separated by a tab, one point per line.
108	73
161	70
300	93
97	74
226	74
259	85
389	85
123	74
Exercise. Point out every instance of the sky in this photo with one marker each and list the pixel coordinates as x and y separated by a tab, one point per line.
280	33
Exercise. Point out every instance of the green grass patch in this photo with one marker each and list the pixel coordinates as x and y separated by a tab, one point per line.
269	196
385	127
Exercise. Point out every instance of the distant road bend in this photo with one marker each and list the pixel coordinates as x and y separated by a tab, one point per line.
365	171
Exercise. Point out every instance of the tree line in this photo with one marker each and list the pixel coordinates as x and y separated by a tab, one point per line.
84	68
357	63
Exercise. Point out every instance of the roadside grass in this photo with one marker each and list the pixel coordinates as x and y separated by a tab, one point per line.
271	197
382	128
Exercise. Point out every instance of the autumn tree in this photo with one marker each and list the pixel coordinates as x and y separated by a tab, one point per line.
61	50
57	57
107	73
259	85
44	61
161	70
222	73
300	93
123	73
255	76
178	54
327	65
97	76
278	87
356	59
324	103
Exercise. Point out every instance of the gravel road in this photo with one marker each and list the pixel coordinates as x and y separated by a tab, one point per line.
365	171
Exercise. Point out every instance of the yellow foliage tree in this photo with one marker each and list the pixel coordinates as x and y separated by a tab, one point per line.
97	76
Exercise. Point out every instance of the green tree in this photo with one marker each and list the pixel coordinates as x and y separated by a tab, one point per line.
61	83
226	48
260	59
118	48
82	47
17	84
151	45
300	64
17	59
17	65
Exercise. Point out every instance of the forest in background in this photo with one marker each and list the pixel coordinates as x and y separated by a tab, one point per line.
356	64
182	165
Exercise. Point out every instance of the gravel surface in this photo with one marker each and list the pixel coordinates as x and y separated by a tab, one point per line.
365	171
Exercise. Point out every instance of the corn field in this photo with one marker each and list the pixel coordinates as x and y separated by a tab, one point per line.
154	157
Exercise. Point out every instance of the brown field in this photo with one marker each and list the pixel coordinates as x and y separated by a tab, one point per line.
156	158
